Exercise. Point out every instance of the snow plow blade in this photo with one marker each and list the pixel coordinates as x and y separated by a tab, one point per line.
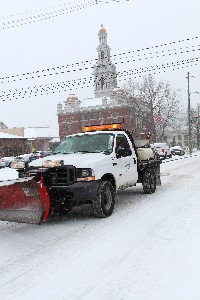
23	201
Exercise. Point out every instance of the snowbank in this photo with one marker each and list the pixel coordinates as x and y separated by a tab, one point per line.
8	173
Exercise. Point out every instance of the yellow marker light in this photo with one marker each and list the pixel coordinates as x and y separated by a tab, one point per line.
102	127
91	178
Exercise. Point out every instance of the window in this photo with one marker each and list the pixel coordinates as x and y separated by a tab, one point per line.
12	151
94	116
91	143
68	127
102	83
101	118
114	117
122	143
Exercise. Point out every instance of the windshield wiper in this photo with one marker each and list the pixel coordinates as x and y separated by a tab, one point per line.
62	153
103	151
83	151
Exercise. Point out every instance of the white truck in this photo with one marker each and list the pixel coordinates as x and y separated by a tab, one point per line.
90	167
85	168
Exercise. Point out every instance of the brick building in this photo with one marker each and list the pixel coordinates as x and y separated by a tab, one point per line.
16	141
12	145
72	118
41	138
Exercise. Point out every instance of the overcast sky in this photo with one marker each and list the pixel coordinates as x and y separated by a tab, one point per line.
39	38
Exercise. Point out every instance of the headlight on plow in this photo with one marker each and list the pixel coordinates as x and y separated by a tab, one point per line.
52	163
85	175
18	165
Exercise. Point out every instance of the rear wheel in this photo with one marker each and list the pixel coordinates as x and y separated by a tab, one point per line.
103	204
149	181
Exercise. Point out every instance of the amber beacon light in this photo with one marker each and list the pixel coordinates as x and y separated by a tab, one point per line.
102	127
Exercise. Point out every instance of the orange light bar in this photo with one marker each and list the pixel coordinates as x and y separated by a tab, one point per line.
102	127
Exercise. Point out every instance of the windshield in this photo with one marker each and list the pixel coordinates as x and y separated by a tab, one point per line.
87	143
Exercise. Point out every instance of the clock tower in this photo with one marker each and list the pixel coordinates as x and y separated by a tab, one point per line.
105	75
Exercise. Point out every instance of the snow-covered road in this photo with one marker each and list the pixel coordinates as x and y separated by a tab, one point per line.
149	249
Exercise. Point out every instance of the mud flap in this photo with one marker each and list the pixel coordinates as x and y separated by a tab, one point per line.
158	180
24	201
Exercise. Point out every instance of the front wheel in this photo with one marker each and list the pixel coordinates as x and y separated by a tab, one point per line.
103	204
149	181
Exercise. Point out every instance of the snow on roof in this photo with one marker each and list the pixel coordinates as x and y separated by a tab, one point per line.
55	140
91	102
40	132
4	135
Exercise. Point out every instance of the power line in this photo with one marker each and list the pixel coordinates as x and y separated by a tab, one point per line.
86	81
47	13
89	64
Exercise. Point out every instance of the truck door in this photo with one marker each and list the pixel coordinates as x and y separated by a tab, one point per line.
126	159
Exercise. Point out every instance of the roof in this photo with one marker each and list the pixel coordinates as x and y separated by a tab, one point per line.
92	102
41	132
55	140
4	135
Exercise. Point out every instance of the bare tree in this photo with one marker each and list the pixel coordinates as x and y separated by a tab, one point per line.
159	100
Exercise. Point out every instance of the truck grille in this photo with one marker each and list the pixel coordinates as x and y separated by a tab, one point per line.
61	176
58	176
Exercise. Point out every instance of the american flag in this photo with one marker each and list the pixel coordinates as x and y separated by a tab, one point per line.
158	119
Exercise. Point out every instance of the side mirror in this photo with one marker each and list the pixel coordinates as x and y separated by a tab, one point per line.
123	152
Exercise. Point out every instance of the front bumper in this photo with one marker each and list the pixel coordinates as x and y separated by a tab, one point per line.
63	187
80	192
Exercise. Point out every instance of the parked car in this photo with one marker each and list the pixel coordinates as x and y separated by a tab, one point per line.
162	149
177	150
38	154
25	157
6	161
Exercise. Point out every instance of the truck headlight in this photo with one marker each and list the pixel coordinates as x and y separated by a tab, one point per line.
52	163
85	175
18	165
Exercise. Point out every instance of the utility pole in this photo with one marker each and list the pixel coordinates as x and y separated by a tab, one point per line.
189	115
198	116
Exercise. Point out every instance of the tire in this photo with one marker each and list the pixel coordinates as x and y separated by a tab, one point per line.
149	181
103	204
170	156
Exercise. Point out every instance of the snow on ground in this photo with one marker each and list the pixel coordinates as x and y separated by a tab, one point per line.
147	250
